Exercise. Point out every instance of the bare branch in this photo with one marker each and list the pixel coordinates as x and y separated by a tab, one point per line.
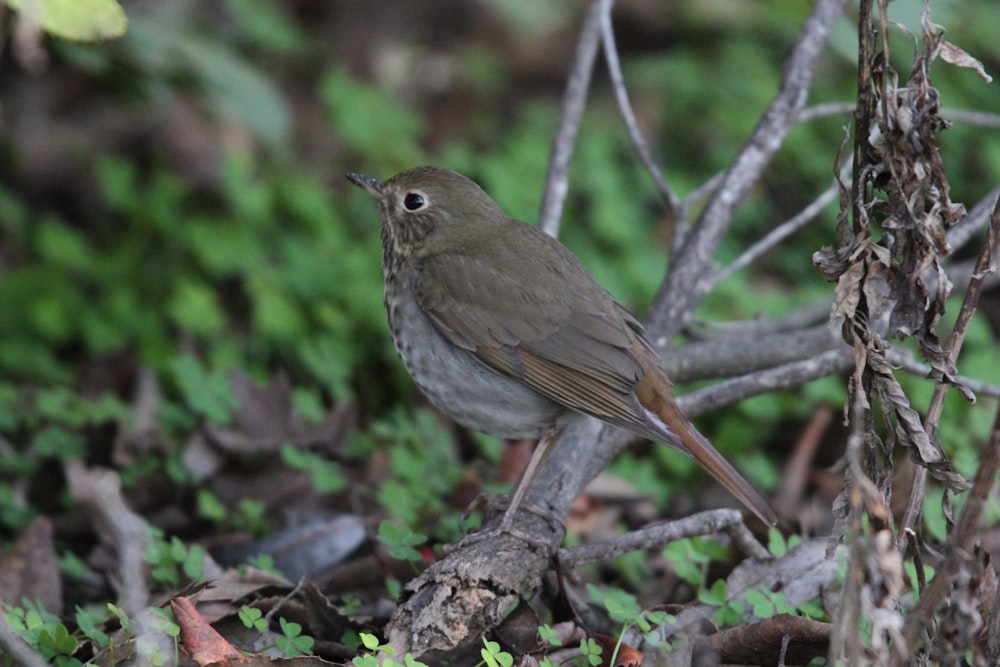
688	280
574	100
639	142
659	534
778	234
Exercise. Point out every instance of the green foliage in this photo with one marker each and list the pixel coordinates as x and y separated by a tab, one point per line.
778	544
493	656
84	20
325	475
691	556
422	464
372	644
271	262
549	635
371	122
766	604
591	651
400	539
292	642
252	618
171	561
44	632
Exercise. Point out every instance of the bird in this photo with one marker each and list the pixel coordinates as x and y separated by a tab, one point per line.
506	331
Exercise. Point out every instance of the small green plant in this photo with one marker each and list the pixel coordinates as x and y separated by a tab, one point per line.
623	608
374	646
423	468
766	604
292	642
249	515
88	621
691	556
778	544
350	605
549	635
207	392
591	651
44	632
264	562
729	612
171	561
252	618
493	656
325	475
401	541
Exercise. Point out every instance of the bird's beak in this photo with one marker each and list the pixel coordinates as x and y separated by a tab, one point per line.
371	185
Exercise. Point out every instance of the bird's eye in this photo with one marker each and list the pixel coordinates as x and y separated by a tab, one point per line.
414	201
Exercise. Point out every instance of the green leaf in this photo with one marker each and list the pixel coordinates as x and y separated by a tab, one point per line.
195	308
80	20
210	507
370	641
209	394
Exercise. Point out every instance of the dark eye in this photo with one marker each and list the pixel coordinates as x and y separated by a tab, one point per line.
413	201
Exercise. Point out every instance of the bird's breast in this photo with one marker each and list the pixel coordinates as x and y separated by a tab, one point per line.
458	384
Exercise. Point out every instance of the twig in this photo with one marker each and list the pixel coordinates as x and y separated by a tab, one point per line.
574	100
970	117
752	384
777	235
905	360
965	229
99	492
957	550
638	141
703	523
687	283
984	266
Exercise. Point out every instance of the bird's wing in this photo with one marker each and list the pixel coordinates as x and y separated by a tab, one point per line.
547	323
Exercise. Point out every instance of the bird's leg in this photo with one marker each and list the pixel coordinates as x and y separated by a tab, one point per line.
542	451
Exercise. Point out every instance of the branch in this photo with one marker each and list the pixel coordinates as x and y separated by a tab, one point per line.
688	280
628	115
574	100
777	235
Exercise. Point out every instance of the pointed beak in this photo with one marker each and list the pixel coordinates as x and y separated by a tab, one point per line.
371	185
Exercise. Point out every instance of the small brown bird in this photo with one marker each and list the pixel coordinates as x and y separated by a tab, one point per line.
506	331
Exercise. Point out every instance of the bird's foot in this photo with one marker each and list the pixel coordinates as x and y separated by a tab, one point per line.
506	525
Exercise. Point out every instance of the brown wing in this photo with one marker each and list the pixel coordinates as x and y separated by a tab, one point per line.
547	323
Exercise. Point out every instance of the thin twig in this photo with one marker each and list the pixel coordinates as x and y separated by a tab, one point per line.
574	100
638	141
659	534
984	266
777	235
970	117
905	360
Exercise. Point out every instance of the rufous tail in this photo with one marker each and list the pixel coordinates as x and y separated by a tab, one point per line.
666	408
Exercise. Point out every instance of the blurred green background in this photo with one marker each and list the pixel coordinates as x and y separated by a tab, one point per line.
174	201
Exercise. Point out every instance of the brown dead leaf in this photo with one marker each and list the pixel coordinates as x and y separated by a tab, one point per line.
956	56
200	639
626	656
267	420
